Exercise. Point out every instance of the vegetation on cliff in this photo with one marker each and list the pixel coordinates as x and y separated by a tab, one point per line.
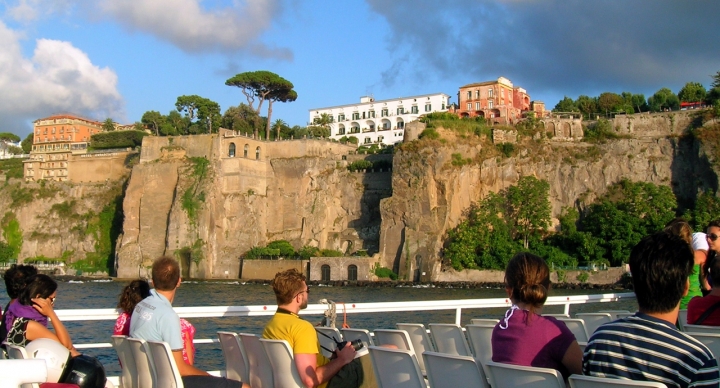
605	231
116	139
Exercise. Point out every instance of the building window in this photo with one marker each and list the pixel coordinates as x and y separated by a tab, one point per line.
368	140
325	273
477	93
245	152
257	153
400	111
356	116
341	130
469	106
477	106
469	95
428	107
414	109
490	104
371	114
401	125
380	139
443	106
231	150
384	113
352	272
490	93
341	117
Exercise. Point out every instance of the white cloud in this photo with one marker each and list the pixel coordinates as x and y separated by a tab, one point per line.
58	78
192	28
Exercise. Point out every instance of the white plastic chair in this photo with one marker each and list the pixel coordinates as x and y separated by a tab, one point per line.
594	320
483	321
282	362
260	370
236	363
326	342
450	339
361	334
580	381
558	316
712	341
451	371
511	376
395	368
615	314
419	339
624	315
399	338
577	327
129	376
18	353
702	329
143	362
481	338
682	319
25	373
168	375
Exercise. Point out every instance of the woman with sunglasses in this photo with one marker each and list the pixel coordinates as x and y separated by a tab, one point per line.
27	319
713	242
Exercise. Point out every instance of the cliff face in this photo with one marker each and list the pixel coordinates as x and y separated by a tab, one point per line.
430	194
264	194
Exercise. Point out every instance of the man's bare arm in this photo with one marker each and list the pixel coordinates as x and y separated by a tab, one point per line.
312	375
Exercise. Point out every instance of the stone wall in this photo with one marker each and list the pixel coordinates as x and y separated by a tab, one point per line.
266	269
98	167
153	147
609	276
339	267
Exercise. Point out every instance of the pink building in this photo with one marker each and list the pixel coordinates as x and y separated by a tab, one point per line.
497	101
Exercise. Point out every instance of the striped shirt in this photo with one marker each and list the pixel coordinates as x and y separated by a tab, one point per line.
645	348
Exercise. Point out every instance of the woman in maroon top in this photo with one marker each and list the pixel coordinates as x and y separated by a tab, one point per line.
699	307
523	336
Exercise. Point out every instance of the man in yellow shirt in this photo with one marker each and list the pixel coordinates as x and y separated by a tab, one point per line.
315	369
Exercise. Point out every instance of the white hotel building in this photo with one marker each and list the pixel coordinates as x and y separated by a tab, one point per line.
379	122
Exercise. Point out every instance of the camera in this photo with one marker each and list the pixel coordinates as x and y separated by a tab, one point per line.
356	344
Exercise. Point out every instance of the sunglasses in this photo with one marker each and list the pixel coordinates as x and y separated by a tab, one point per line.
712	236
52	301
307	290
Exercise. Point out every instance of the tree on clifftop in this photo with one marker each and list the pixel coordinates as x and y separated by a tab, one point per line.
108	125
263	85
692	92
205	110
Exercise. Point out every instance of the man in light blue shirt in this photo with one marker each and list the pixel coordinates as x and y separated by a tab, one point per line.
155	320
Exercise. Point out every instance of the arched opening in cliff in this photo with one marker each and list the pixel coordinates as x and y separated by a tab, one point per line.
231	150
257	153
352	272
245	152
566	129
551	129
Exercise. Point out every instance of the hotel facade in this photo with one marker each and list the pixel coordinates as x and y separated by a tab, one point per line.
499	101
379	121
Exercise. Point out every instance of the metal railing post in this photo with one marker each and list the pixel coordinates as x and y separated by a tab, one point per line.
458	315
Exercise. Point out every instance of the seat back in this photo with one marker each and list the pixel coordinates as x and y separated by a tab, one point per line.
702	329
594	320
236	364
18	353
580	381
481	338
168	375
129	375
615	314
577	327
399	338
419	339
260	370
143	362
451	371
483	321
682	319
325	342
395	368
361	334
511	376
712	341
624	315
450	339
20	372
282	362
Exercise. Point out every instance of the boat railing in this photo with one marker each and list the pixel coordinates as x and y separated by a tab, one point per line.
350	308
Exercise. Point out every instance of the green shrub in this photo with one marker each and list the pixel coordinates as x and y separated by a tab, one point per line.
117	139
583	277
353	140
458	161
506	149
360	165
330	253
429	133
307	252
383	272
262	253
13	168
285	248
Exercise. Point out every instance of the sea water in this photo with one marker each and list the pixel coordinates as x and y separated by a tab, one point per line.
102	294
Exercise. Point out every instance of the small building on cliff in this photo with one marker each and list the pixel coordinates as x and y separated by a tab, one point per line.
498	101
379	121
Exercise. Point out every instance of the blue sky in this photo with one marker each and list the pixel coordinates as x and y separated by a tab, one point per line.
118	59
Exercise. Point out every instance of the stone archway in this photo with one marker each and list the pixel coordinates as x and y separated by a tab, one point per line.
551	128
566	129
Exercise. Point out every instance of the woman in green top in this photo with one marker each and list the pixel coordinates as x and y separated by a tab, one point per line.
681	228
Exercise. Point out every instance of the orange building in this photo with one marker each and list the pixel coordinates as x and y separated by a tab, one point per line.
55	139
498	101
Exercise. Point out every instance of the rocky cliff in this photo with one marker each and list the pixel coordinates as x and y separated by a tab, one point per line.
430	192
300	191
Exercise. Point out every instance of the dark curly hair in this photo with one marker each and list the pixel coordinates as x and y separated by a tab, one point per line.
16	278
132	294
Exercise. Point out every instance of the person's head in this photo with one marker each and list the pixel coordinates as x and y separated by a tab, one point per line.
38	286
290	286
660	265
527	280
165	273
680	228
713	269
16	278
132	294
713	234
